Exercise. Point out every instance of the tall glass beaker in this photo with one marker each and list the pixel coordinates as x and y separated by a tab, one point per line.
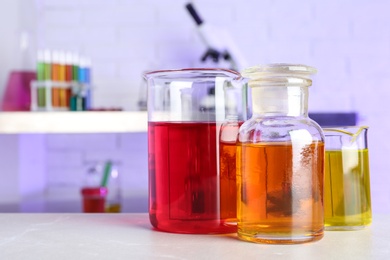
186	109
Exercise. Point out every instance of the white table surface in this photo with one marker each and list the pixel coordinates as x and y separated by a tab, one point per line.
130	236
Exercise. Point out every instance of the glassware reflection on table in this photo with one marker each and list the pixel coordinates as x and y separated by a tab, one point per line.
347	178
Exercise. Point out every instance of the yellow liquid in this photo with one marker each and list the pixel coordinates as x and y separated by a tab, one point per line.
347	200
113	208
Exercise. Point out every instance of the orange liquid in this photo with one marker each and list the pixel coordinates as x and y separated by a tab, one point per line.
62	97
55	92
55	96
280	192
228	190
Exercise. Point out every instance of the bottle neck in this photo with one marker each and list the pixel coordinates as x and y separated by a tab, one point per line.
280	101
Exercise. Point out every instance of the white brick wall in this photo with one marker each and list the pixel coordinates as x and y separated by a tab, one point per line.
347	40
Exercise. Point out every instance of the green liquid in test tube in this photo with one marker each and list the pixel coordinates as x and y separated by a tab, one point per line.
40	79
47	65
43	74
75	74
40	67
47	74
75	101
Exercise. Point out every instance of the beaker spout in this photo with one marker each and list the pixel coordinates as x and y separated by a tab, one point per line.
353	131
345	130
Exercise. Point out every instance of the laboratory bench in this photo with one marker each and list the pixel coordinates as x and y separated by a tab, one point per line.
130	236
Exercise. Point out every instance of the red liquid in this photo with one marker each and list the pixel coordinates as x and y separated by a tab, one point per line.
93	204
94	199
183	178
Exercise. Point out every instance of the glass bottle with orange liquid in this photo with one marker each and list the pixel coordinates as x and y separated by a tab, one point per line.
280	160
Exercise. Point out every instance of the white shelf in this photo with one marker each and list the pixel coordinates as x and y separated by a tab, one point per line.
72	122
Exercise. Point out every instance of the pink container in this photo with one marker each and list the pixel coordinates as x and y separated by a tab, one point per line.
17	96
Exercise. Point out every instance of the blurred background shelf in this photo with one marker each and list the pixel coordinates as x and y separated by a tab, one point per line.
72	122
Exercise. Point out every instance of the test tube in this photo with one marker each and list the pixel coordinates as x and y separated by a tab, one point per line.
47	64
68	67
74	100
68	76
75	68
40	78
84	78
62	78
40	66
55	76
46	92
88	97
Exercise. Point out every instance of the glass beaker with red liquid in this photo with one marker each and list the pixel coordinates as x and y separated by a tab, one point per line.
186	111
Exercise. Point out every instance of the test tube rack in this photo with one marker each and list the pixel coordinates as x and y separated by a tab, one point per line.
51	95
63	82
